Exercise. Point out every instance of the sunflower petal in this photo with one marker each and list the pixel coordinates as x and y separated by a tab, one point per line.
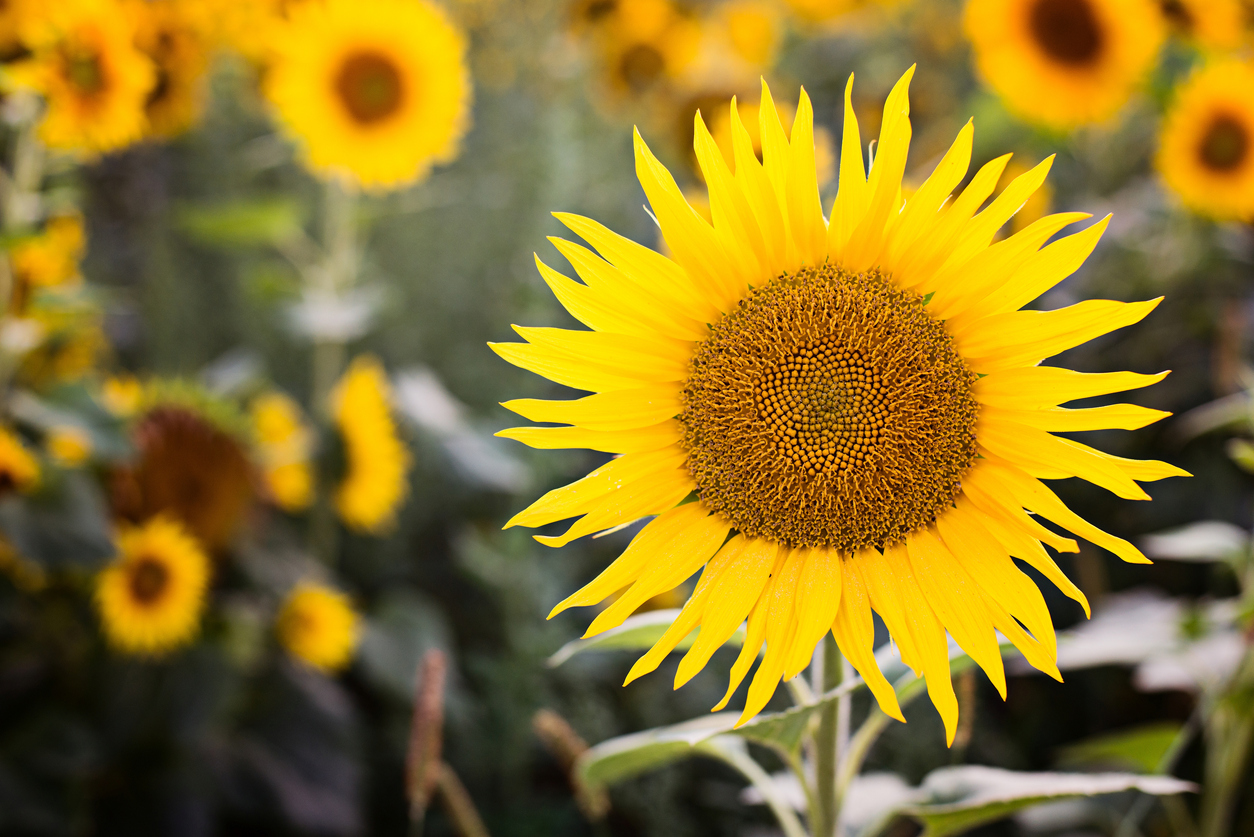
805	209
818	602
619	410
657	436
854	632
1035	387
851	195
1062	420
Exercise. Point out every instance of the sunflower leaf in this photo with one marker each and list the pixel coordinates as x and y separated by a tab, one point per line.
637	632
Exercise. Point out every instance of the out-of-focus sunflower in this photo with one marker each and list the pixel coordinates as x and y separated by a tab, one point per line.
319	627
122	395
173	35
820	11
1064	63
284	444
13	14
151	597
72	344
374	89
857	406
188	468
753	30
47	260
1211	24
1206	152
94	80
69	446
376	460
644	43
19	470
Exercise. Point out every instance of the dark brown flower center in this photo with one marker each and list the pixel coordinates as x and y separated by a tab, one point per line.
1068	31
829	410
148	580
370	86
640	66
1178	15
1225	145
84	72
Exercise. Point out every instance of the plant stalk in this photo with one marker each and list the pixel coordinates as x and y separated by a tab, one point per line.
827	744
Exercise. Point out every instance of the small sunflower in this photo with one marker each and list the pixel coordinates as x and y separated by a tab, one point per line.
72	346
375	89
47	260
376	461
830	418
1211	24
13	15
189	468
122	395
1064	63
151	597
646	43
319	627
69	446
284	445
19	470
93	79
172	34
753	30
1206	152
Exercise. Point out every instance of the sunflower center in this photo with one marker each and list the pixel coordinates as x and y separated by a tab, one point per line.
1225	145
1067	30
148	580
640	66
1177	14
370	87
84	72
829	410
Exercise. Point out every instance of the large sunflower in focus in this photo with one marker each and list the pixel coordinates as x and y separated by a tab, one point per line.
1064	63
93	79
1206	153
375	89
833	417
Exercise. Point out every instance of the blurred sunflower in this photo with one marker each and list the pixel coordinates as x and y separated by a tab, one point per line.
69	446
318	626
94	80
47	260
13	14
1211	24
284	444
643	43
753	29
122	395
375	89
151	597
72	345
376	461
19	470
857	408
1064	63
172	34
1206	152
820	11
190	468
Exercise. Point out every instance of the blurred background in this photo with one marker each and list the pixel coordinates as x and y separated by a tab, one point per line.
248	472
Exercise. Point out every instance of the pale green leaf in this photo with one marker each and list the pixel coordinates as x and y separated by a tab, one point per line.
1140	749
247	223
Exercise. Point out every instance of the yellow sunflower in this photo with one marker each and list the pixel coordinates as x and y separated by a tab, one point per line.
1211	24
644	43
1064	63
172	34
151	597
68	445
13	14
47	260
374	89
376	461
753	30
830	417
284	444
122	395
319	627
19	470
93	79
1206	152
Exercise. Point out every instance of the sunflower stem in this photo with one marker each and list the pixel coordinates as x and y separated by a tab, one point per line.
827	744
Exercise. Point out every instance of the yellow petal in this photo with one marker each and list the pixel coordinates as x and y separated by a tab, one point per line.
755	636
818	602
781	627
620	410
1042	455
1035	387
851	196
805	210
628	503
657	436
854	632
920	212
756	186
563	368
1061	420
982	484
979	232
733	217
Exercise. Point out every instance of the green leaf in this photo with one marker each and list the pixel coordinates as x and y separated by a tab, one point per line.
620	758
247	223
961	798
1140	749
636	633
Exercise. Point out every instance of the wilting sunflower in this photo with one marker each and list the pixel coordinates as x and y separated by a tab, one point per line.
1211	24
1064	63
173	34
151	597
376	461
834	417
284	444
19	470
190	468
375	89
1206	153
318	626
94	80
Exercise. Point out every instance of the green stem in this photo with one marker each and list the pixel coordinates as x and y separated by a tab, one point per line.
827	742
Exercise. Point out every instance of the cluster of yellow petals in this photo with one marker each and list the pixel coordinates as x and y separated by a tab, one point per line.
648	313
319	627
284	445
376	461
19	469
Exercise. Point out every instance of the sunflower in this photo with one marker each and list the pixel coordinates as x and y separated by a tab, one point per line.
121	395
374	89
13	14
95	81
376	461
284	444
830	418
19	470
189	468
151	597
318	626
172	34
1211	24
1206	153
645	43
1064	63
68	445
47	260
73	342
753	30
